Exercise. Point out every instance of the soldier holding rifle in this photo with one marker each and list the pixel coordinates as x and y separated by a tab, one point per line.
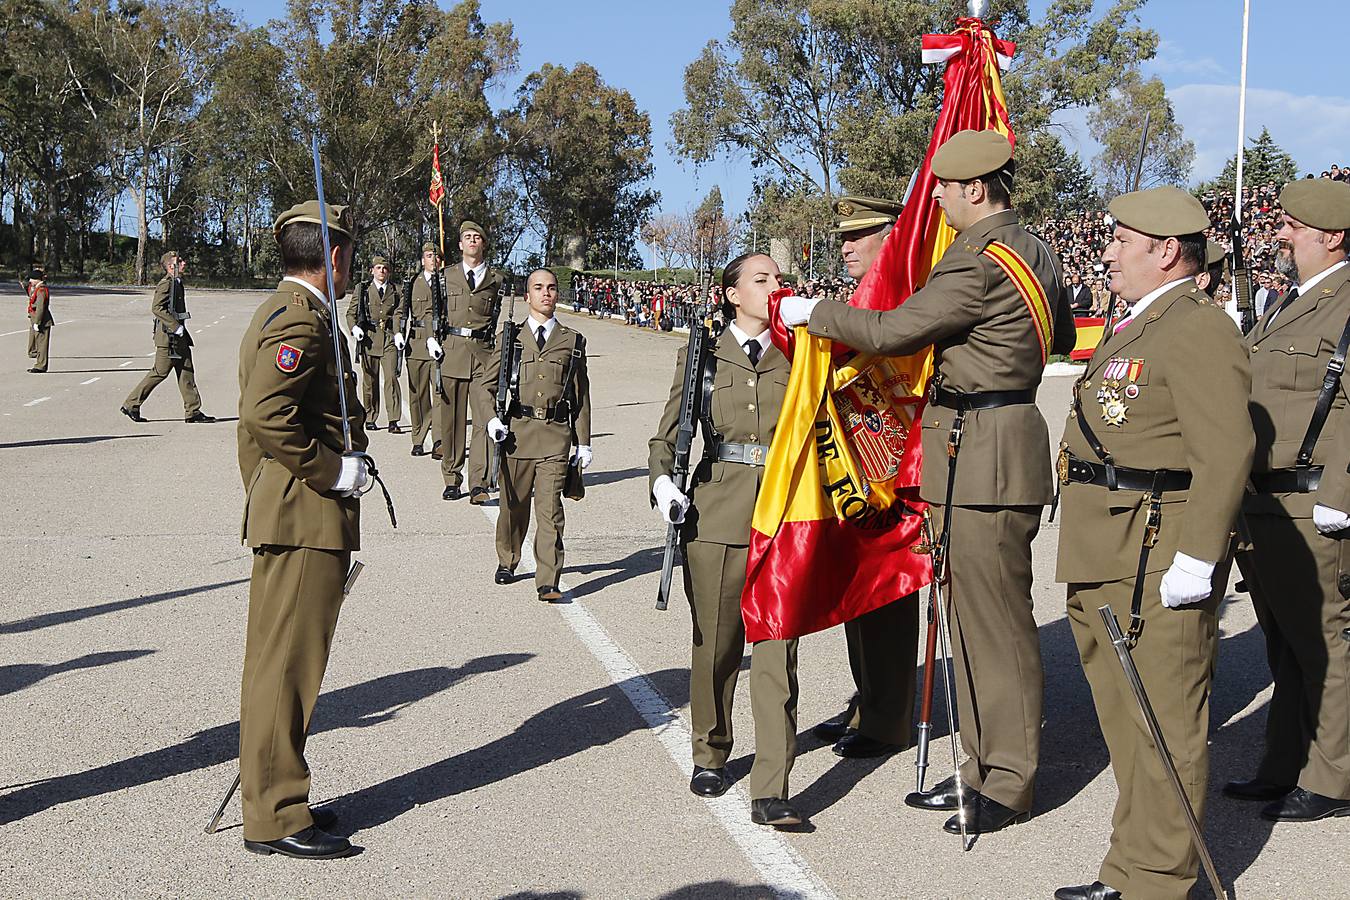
173	346
370	317
413	325
741	389
1156	451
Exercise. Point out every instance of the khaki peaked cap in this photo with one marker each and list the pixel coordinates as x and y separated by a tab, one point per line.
1318	203
971	154
339	217
1160	212
470	225
1214	253
429	247
378	261
166	256
862	213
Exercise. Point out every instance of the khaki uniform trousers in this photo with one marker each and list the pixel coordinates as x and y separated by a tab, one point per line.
1308	723
419	397
370	387
544	479
293	604
714	575
39	344
882	649
466	399
1151	856
997	649
164	364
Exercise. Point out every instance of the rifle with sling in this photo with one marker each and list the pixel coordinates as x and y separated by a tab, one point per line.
364	320
508	377
1242	276
407	324
439	312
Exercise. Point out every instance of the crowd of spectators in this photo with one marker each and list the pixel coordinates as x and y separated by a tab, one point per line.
642	304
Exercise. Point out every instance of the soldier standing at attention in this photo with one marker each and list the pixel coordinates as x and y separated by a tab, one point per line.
549	425
419	353
173	346
1299	514
302	517
994	309
882	643
380	298
1156	452
40	317
471	308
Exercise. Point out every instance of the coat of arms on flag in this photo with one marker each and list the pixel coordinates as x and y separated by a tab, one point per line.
288	358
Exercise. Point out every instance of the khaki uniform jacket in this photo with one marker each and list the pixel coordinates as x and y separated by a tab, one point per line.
542	383
41	304
745	405
984	341
468	309
165	306
290	428
1289	360
423	309
1188	412
382	312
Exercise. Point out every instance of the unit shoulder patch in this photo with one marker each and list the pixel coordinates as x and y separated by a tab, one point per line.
288	358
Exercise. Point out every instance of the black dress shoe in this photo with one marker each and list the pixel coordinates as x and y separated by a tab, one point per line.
133	414
773	811
478	496
450	493
832	729
436	450
984	816
324	819
312	843
709	782
37	371
371	426
859	746
199	418
504	575
549	593
1256	789
1301	805
394	428
1094	891
418	450
940	796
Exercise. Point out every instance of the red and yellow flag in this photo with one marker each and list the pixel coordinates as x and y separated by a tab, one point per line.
838	515
437	192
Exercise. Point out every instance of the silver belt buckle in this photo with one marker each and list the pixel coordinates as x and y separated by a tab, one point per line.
541	412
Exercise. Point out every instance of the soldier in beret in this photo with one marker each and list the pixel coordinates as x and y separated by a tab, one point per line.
1156	451
995	309
302	517
1298	571
40	318
881	643
420	361
377	300
173	346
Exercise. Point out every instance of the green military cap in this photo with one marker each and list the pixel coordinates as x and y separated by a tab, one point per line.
471	225
1214	253
166	256
971	154
861	213
1160	212
1318	203
378	261
429	247
339	217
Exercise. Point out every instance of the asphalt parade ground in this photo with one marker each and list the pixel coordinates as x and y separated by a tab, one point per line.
473	741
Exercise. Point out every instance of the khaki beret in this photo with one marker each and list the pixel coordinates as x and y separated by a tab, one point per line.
339	218
862	213
378	261
471	225
971	154
1160	212
1318	203
166	256
429	247
1214	253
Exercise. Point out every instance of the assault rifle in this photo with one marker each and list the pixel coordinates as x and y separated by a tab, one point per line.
439	312
364	321
507	372
1242	276
407	324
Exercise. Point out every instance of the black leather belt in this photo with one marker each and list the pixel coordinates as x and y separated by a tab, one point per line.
554	412
1080	471
744	454
418	323
1287	481
964	401
477	334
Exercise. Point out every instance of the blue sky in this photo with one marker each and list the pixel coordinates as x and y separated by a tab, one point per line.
644	48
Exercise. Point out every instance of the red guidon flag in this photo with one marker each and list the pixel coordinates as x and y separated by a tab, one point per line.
437	192
838	515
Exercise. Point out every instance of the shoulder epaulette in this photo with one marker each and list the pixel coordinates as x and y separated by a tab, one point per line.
269	319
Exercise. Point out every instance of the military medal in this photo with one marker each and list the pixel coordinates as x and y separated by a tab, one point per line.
1112	395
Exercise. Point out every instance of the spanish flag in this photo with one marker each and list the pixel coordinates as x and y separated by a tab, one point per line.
838	517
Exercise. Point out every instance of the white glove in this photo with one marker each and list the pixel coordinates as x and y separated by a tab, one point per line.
35	327
794	310
434	348
399	342
358	333
179	332
1328	521
355	475
1187	581
582	454
497	430
670	500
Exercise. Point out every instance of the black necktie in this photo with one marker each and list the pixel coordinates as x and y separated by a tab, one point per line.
381	290
752	350
539	337
469	275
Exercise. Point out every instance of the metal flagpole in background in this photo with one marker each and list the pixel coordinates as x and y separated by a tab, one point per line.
1241	136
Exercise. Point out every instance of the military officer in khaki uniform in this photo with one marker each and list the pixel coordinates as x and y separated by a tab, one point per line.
173	346
374	303
994	309
548	426
882	643
1156	451
302	519
40	319
419	359
1298	571
472	306
750	378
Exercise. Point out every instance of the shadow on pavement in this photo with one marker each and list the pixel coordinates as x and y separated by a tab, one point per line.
65	616
23	675
721	890
359	706
595	479
56	442
634	565
551	895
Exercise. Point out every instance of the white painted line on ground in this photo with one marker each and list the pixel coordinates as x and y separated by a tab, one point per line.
37	401
30	327
90	381
125	364
783	869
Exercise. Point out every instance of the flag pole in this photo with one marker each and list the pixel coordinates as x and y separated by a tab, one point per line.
1241	137
440	204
